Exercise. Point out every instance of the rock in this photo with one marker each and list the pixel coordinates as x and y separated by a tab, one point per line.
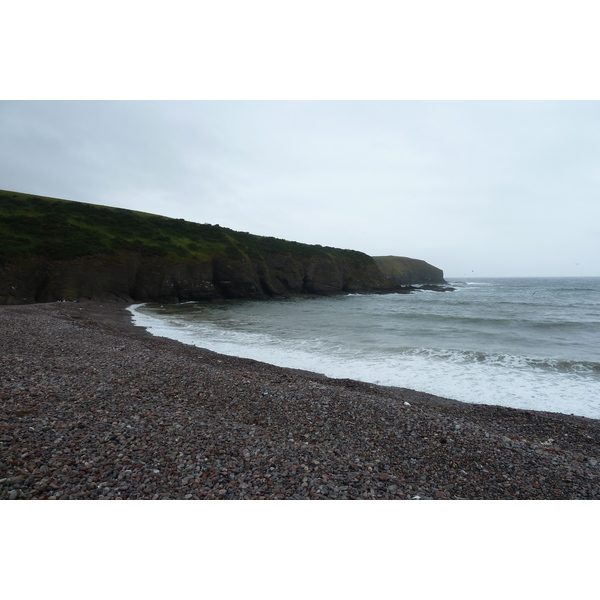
15	479
132	276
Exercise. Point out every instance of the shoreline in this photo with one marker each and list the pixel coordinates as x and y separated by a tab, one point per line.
93	406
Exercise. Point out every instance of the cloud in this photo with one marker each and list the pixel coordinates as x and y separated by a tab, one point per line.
501	188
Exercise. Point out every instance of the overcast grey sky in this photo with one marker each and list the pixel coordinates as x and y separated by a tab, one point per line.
476	188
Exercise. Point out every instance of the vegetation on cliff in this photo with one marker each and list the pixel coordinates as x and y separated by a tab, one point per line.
65	230
53	249
405	271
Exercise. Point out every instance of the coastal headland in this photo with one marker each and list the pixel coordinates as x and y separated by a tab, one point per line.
93	407
53	249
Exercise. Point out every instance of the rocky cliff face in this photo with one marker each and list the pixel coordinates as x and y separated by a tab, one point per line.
53	249
132	277
406	271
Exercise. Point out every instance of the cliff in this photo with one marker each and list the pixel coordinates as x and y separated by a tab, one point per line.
131	276
406	271
53	249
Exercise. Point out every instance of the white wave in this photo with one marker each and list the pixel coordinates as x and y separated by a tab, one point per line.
496	379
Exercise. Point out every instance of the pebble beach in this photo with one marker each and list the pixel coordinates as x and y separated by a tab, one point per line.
93	407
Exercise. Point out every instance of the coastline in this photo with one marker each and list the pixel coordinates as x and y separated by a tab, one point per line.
92	406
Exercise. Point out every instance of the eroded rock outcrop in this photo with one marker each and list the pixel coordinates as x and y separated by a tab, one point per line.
131	276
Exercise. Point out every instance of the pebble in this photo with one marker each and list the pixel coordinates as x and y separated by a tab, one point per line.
96	408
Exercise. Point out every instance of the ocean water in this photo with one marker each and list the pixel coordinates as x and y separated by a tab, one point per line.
529	343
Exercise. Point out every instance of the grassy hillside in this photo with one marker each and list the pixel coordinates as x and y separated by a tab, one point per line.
63	229
404	270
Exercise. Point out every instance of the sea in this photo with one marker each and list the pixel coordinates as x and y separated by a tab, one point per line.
531	343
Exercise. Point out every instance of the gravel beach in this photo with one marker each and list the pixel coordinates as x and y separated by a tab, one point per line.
93	407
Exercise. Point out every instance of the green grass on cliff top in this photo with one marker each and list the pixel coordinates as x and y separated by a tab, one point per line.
63	230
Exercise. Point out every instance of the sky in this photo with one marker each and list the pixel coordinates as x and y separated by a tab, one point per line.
476	188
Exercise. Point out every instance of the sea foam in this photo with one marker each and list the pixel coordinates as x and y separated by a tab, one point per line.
499	379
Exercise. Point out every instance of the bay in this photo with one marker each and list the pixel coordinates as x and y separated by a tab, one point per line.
529	343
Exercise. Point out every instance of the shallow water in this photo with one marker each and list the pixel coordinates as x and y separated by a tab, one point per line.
526	343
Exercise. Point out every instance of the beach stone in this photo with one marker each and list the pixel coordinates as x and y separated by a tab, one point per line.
176	421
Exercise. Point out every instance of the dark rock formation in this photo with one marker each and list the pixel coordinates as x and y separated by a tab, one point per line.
130	276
